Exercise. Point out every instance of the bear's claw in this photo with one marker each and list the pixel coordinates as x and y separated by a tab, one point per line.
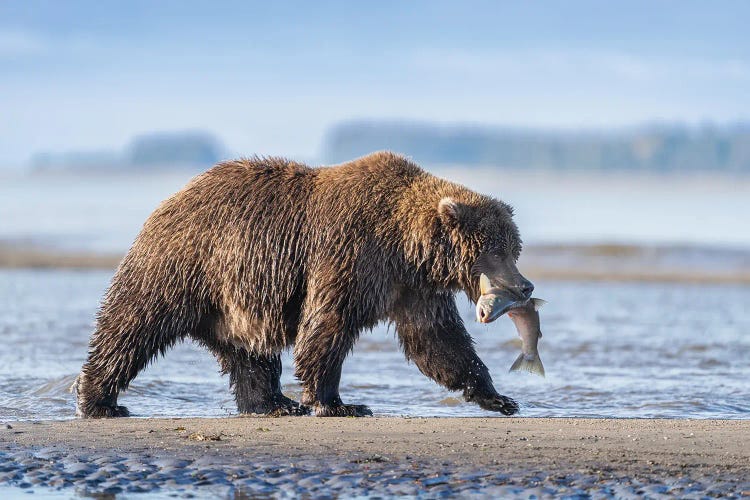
342	411
502	404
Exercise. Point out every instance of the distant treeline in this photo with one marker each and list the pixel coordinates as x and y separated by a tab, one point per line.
652	148
155	150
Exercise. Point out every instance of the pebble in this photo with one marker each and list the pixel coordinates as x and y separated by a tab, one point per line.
436	480
35	479
112	469
309	482
78	470
110	473
9	476
47	454
171	463
58	482
109	488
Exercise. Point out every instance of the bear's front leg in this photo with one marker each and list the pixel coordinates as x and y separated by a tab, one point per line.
433	336
319	352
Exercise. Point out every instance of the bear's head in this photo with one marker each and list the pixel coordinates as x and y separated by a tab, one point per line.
451	235
479	236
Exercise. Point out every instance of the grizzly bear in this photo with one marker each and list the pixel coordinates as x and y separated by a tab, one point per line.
258	255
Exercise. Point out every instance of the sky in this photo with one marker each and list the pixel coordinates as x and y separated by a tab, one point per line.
272	77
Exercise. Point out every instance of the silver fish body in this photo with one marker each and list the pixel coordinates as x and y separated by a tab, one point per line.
526	319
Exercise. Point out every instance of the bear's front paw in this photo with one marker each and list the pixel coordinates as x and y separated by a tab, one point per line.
342	410
496	402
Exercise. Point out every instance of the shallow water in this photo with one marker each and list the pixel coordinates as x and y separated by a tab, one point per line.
609	349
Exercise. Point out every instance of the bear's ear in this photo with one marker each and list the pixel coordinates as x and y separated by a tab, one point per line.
449	211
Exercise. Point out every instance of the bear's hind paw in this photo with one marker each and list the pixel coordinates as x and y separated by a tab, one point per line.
289	411
342	410
277	406
104	412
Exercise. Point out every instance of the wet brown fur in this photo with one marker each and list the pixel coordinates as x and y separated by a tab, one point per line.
258	255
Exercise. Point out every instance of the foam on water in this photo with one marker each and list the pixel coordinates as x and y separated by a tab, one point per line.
609	349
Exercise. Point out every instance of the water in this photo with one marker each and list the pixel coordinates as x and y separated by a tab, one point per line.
609	349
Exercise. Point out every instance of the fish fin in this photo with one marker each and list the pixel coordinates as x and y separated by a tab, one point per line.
538	303
484	283
528	365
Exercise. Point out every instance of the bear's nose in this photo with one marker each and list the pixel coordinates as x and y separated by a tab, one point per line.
527	288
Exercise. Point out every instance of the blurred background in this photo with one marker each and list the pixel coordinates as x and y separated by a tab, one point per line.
619	132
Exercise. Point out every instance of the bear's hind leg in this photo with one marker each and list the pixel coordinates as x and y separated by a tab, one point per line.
319	354
115	358
255	380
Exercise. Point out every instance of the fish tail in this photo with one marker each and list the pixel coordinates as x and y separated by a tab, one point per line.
529	365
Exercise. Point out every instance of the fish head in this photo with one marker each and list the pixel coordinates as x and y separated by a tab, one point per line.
501	286
491	306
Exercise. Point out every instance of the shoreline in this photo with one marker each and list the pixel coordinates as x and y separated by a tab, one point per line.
382	455
551	262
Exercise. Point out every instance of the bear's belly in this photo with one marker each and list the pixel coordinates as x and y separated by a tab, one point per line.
241	329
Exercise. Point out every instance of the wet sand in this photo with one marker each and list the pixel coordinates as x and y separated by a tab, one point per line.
380	456
22	256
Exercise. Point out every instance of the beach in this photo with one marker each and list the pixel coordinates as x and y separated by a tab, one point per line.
380	456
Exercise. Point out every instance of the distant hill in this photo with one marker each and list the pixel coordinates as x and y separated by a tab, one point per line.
148	151
174	148
649	148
